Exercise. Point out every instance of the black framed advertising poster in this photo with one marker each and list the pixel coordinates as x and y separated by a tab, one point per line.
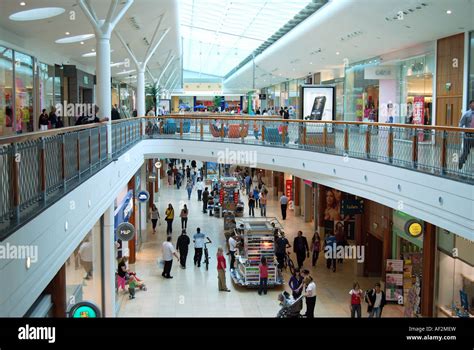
318	102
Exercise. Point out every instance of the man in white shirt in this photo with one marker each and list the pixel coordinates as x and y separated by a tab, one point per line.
199	239
232	249
199	188
151	112
168	252
284	205
310	295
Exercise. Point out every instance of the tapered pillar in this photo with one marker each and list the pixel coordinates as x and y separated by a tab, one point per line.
141	92
108	249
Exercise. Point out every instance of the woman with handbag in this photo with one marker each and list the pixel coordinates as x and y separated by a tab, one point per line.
169	217
155	216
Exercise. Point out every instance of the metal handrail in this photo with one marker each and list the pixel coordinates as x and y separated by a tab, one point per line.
38	168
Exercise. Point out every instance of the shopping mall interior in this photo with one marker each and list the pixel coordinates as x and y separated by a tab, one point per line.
220	158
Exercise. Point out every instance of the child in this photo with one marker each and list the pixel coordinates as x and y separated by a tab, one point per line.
132	284
263	269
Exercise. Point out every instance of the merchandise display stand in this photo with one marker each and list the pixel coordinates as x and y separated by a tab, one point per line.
258	241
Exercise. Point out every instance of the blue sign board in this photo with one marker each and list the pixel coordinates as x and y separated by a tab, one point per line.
143	196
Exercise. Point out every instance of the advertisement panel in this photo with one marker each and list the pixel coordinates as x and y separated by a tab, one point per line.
318	102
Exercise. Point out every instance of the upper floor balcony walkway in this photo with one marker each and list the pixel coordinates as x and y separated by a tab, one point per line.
38	169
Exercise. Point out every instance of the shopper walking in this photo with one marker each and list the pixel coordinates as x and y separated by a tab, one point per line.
189	188
86	257
182	246
169	217
467	121
315	247
356	297
256	196
188	172
310	296
199	188
53	118
301	249
184	217
205	199
170	176
263	204
283	205
232	249
43	120
296	284
248	183
221	266
330	251
168	253
340	238
376	300
251	205
155	216
263	272
280	250
199	239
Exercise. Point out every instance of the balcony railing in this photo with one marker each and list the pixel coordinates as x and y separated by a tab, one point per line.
37	169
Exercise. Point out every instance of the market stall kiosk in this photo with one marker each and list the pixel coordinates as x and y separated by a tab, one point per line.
258	241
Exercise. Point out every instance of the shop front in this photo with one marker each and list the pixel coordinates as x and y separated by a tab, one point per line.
455	276
394	88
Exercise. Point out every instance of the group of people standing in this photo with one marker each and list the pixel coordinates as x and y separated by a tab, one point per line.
49	121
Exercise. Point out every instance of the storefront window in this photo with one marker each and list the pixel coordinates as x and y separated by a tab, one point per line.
23	93
455	270
46	86
6	91
395	91
84	270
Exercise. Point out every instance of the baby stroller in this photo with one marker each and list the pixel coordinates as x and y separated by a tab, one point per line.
140	284
290	308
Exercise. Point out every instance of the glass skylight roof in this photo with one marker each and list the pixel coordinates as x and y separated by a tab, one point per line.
219	34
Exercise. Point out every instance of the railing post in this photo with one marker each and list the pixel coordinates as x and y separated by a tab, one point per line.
263	132
90	151
222	131
390	145
325	137
201	130
63	161
346	139
443	153
181	128
15	181
78	155
42	169
414	149
98	148
283	134
367	141
242	126
304	141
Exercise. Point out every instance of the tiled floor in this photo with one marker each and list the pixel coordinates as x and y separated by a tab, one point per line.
193	292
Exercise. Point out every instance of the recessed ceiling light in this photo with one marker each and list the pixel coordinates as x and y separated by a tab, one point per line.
22	3
337	53
82	43
93	50
449	12
37	14
310	62
74	39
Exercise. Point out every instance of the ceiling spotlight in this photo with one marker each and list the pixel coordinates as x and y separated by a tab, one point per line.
82	43
310	62
449	12
337	53
93	50
67	33
22	3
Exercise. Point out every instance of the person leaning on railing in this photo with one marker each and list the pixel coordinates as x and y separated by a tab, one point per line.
467	121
